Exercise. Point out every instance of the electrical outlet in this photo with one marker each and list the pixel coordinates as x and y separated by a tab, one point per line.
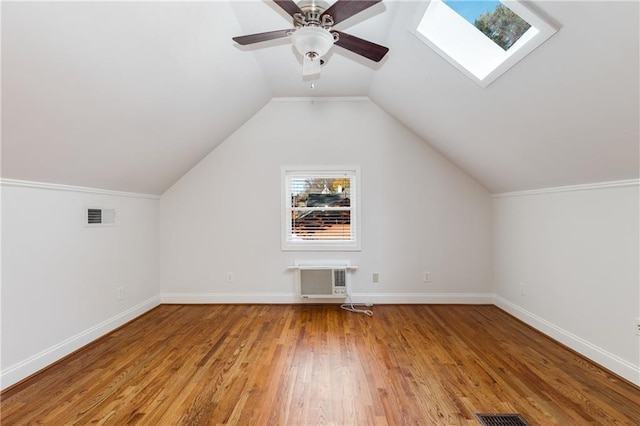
120	293
229	277
638	326
426	276
523	289
375	277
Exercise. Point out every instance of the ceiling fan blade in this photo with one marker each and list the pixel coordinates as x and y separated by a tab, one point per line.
365	48
289	6
256	38
343	9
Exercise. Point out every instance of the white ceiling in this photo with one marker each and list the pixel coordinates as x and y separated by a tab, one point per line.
129	96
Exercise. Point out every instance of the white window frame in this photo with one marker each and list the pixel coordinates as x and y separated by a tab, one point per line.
289	244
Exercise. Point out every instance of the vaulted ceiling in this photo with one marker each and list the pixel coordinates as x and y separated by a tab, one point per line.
130	95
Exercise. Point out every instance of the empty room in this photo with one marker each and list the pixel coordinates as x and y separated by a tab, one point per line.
340	212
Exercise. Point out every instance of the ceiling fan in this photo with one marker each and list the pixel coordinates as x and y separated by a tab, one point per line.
313	33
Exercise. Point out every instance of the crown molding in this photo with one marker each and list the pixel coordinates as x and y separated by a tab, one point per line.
570	188
322	99
70	188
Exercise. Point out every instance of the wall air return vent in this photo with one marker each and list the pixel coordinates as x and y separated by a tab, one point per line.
98	216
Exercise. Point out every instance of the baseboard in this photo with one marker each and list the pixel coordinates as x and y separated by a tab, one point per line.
424	298
231	298
375	298
598	355
32	365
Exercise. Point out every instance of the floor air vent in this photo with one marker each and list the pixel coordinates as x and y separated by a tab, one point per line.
501	420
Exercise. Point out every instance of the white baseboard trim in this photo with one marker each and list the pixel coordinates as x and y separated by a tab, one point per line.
598	355
424	298
231	298
375	298
39	361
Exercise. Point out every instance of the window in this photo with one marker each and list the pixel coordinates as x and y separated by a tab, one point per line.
495	20
320	208
482	38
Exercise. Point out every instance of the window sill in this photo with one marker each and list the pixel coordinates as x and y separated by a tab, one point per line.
306	246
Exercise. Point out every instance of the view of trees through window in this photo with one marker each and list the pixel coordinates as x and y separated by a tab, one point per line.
493	19
503	26
321	208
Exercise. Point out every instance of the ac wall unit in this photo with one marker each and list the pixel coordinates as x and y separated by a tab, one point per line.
323	283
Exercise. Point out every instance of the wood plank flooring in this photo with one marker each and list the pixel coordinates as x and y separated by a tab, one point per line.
316	365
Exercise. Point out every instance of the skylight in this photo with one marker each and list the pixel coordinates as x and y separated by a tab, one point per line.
481	38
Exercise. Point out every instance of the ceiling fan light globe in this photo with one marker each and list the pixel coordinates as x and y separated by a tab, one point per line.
312	39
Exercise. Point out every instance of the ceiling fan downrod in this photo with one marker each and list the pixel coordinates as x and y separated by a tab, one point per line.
313	15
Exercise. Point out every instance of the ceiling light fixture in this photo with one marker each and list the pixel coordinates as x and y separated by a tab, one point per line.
313	33
313	43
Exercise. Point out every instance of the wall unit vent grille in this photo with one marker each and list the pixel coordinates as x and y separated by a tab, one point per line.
97	216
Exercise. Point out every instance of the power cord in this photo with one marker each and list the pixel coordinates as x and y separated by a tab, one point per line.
351	307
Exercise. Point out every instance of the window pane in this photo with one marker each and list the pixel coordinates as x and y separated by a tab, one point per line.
320	191
328	200
319	225
502	25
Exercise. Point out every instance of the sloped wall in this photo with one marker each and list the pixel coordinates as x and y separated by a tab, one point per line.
419	212
576	252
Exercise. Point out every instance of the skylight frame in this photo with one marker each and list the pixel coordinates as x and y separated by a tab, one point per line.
460	42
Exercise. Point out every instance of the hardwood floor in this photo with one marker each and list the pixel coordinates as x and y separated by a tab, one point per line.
317	364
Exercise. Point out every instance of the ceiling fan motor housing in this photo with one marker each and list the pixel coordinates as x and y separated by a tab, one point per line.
312	10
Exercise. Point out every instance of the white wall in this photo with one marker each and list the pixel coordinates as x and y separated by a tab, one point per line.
59	278
576	251
419	212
